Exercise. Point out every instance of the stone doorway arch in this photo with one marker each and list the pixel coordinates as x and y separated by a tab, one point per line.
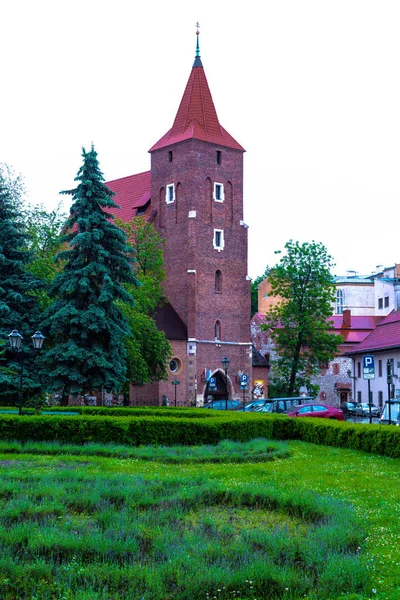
223	388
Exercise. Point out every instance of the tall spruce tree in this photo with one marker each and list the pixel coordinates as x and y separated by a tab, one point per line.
19	308
85	326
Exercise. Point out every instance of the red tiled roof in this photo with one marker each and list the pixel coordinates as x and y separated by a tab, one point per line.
357	322
196	116
386	335
132	192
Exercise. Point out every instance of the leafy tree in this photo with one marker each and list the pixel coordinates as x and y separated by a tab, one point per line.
44	230
19	308
84	322
148	349
254	290
299	324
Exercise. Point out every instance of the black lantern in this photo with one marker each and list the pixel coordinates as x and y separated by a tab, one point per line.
15	343
15	339
38	340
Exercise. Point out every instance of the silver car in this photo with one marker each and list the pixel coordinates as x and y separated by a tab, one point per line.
362	410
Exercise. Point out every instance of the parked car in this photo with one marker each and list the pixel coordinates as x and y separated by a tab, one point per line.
255	405
222	404
362	410
349	408
317	410
282	405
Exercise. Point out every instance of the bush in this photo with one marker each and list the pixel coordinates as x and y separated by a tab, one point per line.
168	427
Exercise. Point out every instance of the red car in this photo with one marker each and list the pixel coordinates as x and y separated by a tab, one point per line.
317	410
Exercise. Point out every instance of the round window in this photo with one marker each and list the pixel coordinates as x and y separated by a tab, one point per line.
174	365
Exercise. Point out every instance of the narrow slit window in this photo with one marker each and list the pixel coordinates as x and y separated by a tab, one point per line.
219	192
218	239
170	195
218	281
170	155
218	157
217	330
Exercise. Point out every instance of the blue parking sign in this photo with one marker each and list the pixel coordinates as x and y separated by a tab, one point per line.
368	362
244	380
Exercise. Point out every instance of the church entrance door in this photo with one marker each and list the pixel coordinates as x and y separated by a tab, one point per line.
221	391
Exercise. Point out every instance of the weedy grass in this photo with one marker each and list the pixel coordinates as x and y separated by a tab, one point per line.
226	451
104	523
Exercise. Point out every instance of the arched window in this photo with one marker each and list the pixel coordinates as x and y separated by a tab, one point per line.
217	330
339	302
218	281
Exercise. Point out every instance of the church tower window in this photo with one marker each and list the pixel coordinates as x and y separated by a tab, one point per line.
170	155
170	196
219	192
218	281
218	239
218	157
217	330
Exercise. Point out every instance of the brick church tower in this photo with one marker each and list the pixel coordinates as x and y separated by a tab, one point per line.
196	200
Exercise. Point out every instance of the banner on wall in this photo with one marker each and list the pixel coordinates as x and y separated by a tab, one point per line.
258	389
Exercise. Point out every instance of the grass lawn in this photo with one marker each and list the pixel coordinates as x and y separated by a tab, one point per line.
247	521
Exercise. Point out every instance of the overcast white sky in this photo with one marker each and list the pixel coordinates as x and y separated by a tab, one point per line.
310	88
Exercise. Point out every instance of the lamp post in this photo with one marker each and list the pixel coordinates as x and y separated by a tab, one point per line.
353	377
175	383
225	364
15	344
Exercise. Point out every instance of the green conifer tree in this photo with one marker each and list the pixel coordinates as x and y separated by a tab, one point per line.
19	308
85	326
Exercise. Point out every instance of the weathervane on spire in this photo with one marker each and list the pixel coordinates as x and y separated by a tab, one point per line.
197	36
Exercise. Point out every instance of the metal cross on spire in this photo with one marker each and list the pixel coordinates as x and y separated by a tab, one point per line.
197	36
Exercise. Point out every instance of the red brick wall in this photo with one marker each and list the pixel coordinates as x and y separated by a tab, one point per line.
189	247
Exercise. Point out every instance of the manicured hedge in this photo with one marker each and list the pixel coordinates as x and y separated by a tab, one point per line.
173	426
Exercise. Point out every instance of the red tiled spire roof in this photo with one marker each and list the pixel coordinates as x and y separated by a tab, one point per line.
196	116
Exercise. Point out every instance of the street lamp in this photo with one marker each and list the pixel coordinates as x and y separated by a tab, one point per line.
353	377
225	364
15	343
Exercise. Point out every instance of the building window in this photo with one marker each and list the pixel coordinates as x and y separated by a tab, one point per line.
218	239
322	396
175	365
359	370
217	330
170	195
218	192
218	157
218	281
336	368
359	397
386	301
379	368
170	155
339	302
380	399
380	302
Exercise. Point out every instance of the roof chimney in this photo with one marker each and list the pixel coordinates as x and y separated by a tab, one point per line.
347	317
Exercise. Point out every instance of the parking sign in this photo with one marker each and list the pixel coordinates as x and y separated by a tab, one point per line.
368	367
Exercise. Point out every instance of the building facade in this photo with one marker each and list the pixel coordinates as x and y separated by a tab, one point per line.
193	194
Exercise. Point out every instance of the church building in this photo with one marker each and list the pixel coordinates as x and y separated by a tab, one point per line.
193	194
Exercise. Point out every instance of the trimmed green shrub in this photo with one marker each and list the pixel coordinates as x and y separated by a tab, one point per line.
170	427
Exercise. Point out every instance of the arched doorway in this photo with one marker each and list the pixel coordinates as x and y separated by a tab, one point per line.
221	391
